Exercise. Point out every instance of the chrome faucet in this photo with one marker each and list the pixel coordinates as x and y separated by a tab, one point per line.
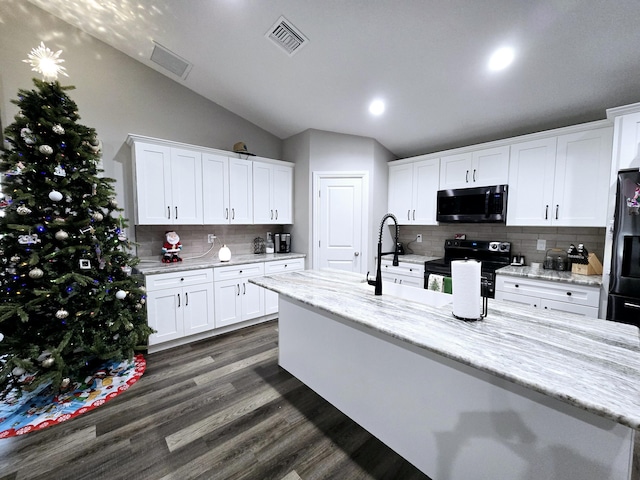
378	281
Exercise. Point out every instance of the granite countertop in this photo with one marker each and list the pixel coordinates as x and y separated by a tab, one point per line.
154	265
590	363
411	258
552	275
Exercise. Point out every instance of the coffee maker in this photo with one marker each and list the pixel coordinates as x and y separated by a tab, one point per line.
282	242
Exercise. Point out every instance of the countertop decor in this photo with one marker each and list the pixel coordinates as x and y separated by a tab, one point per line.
152	266
552	275
586	362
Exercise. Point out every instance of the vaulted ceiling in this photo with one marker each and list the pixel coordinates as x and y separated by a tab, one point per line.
426	59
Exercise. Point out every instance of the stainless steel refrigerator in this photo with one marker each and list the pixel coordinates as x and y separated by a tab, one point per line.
624	285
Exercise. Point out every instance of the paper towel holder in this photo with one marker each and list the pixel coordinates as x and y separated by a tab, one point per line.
485	305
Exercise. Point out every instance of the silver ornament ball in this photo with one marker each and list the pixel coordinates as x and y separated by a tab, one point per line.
45	149
55	196
62	313
48	362
61	235
36	273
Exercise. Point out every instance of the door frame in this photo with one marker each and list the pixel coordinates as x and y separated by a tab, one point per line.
317	177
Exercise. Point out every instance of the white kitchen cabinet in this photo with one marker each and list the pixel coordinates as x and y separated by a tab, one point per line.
627	143
272	193
413	189
477	168
237	300
179	304
168	185
561	181
228	190
549	295
405	273
273	268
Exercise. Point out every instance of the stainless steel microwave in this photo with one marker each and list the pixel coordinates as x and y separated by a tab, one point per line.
473	205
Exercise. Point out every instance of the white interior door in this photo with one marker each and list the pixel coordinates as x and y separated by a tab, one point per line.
340	215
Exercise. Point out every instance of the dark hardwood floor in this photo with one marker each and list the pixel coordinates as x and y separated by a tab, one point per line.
216	409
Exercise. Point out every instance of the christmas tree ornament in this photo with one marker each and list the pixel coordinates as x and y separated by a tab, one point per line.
45	149
95	145
15	259
61	235
22	210
17	371
29	239
97	216
121	294
58	129
126	269
46	62
62	313
55	196
138	306
48	362
2	336
65	382
59	171
114	203
36	273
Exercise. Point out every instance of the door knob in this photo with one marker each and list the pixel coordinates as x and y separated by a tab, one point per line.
357	254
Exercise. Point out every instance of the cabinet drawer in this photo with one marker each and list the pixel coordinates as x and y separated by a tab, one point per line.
178	279
408	269
238	271
562	292
282	266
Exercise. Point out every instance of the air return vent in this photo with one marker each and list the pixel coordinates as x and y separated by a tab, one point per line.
286	36
169	60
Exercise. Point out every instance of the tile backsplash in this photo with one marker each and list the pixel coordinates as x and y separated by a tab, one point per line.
523	239
239	238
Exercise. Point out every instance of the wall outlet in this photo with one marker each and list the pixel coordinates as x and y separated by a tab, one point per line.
541	245
419	238
211	238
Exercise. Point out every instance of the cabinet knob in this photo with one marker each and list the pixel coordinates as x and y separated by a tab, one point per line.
356	254
182	279
517	286
569	293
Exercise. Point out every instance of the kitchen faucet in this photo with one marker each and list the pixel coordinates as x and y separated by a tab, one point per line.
378	281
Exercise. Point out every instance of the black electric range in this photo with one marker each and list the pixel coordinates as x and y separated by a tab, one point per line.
492	255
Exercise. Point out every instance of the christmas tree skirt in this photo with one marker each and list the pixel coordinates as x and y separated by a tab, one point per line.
41	408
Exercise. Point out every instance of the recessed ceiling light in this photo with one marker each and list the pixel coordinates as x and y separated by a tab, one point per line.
376	107
501	58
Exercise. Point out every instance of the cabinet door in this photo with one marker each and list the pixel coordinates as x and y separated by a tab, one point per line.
164	314
227	304
519	299
569	308
400	191
531	171
240	191
456	171
426	179
628	141
198	309
252	300
270	302
215	181
153	184
263	208
186	187
283	194
490	166
583	165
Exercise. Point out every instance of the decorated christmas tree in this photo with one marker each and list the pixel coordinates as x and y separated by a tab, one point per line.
67	297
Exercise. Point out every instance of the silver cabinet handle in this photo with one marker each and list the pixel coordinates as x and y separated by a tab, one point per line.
244	288
474	174
271	214
276	213
238	285
176	212
414	214
186	299
409	214
546	212
233	214
557	206
631	305
226	213
178	300
466	177
168	212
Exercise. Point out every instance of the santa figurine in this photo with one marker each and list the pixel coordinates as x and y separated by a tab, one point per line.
171	248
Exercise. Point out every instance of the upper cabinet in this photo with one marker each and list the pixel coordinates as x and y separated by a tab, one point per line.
627	144
413	190
168	185
272	193
190	185
477	168
561	181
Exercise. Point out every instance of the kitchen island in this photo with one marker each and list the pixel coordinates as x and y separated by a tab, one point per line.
519	395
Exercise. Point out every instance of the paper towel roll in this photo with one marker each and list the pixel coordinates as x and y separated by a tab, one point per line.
467	298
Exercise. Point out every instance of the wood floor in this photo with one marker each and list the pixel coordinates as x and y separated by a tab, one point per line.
217	409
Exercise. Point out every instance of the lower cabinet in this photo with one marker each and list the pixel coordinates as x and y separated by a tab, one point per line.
237	300
272	268
549	295
411	274
179	304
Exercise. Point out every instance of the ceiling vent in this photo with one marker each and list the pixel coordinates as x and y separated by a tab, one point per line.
286	36
169	60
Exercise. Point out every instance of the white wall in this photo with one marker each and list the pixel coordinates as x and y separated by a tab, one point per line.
116	95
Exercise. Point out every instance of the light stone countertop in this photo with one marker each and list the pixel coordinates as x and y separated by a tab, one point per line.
589	363
551	275
153	265
411	258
